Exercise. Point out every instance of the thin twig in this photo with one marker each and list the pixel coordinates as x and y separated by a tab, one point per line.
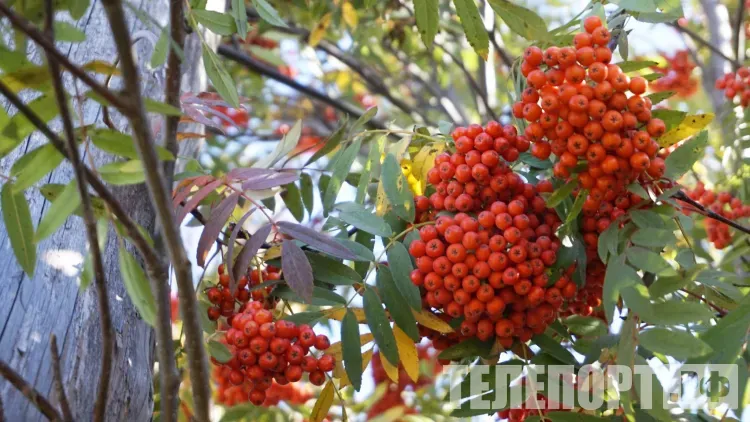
257	66
710	214
716	308
49	47
57	379
698	39
160	196
739	19
131	229
89	221
34	396
473	84
172	84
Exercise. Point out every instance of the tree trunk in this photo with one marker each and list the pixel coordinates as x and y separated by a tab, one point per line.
51	301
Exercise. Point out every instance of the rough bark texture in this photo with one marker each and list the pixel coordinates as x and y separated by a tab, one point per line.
51	301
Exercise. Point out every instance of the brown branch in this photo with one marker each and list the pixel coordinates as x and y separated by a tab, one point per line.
698	39
131	229
160	196
739	19
49	47
718	309
503	53
710	214
34	396
57	379
473	84
90	223
257	66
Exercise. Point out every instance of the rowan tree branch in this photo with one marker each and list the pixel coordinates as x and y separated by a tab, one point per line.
58	381
89	221
257	66
34	396
473	84
160	195
739	18
699	40
710	214
49	48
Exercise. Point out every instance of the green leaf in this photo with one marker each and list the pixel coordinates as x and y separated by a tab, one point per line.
473	26
467	348
332	271
379	326
577	206
34	165
121	144
239	12
397	189
65	32
218	23
320	297
671	118
521	20
659	409
561	193
370	167
627	344
585	326
153	106
646	260
426	13
400	264
646	219
618	277
58	212
653	237
364	118
675	343
308	317
219	351
362	218
306	191
293	200
137	286
361	252
18	127
632	65
658	97
87	272
19	226
681	160
123	172
608	242
554	348
333	141
674	312
728	337
52	191
219	77
77	8
28	76
394	303
161	50
268	13
283	148
351	349
341	169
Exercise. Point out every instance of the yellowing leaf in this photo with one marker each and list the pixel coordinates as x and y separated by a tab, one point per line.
689	126
338	313
381	201
323	405
100	66
319	32
429	320
272	253
424	161
336	351
30	76
350	14
340	373
390	370
407	353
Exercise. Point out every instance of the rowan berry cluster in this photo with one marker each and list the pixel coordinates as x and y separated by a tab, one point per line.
578	107
264	352
233	116
489	269
393	394
677	75
225	302
723	204
735	85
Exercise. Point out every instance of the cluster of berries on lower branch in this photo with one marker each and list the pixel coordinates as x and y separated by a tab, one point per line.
722	203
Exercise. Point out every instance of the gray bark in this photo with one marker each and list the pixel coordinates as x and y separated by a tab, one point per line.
51	301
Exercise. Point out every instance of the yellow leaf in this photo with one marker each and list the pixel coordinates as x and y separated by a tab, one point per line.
350	14
273	253
407	353
689	126
429	320
424	161
319	32
323	405
390	370
26	77
100	66
381	201
338	313
336	351
391	415
340	373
